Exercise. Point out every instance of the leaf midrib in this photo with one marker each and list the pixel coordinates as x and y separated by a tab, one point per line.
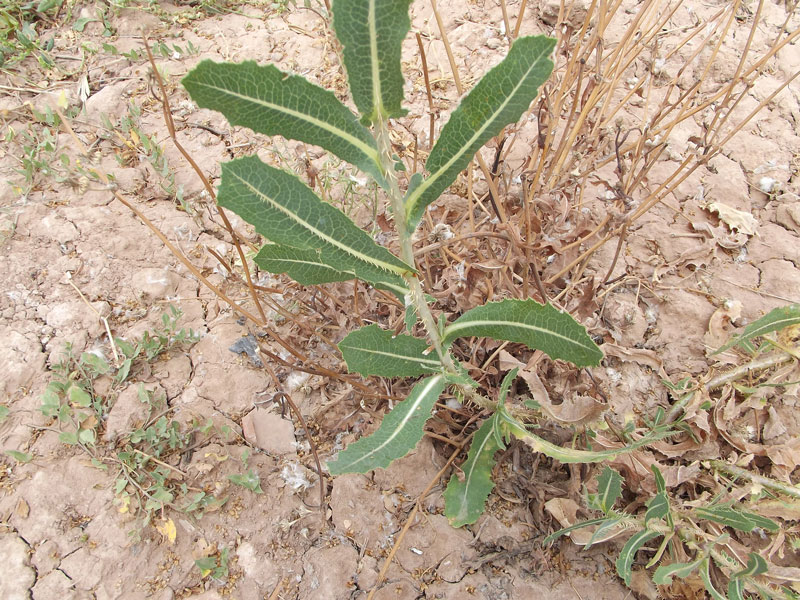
468	478
368	150
435	363
377	102
401	426
493	323
417	194
323	236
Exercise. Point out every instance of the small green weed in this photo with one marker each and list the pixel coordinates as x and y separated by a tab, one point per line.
144	459
19	37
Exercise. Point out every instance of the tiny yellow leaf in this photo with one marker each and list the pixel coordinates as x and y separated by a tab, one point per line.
62	101
168	530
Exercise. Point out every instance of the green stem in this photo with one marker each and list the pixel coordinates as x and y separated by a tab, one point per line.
407	254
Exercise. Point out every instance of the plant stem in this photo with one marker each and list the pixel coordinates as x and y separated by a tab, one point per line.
417	295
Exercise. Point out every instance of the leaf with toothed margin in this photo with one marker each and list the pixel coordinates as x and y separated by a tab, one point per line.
628	553
774	320
307	267
372	33
400	431
464	500
538	326
271	102
285	211
375	351
497	100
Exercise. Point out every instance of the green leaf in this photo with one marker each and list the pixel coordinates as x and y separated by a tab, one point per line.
735	589
756	565
78	396
597	535
307	267
629	550
87	436
398	434
274	103
538	326
3	413
22	457
609	489
372	33
557	534
287	212
304	266
665	573
774	320
661	485
375	351
505	386
250	480
657	508
498	99
706	577
464	501
741	520
68	437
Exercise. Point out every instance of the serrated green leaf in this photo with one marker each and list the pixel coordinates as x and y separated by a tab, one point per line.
285	211
372	33
274	103
629	550
609	489
740	520
375	351
464	501
398	434
557	534
661	485
498	99
774	320
665	573
756	565
602	529
706	577
736	589
307	267
304	266
538	326
505	386
657	508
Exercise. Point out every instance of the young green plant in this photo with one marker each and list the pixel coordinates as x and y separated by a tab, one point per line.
315	243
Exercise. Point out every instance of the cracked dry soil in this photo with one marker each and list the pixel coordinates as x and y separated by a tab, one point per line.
61	533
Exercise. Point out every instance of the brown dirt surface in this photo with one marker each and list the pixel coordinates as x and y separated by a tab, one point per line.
73	524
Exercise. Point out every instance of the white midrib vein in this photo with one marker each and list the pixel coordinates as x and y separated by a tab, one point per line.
432	382
323	236
321	264
435	363
455	327
468	476
371	152
417	193
377	101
